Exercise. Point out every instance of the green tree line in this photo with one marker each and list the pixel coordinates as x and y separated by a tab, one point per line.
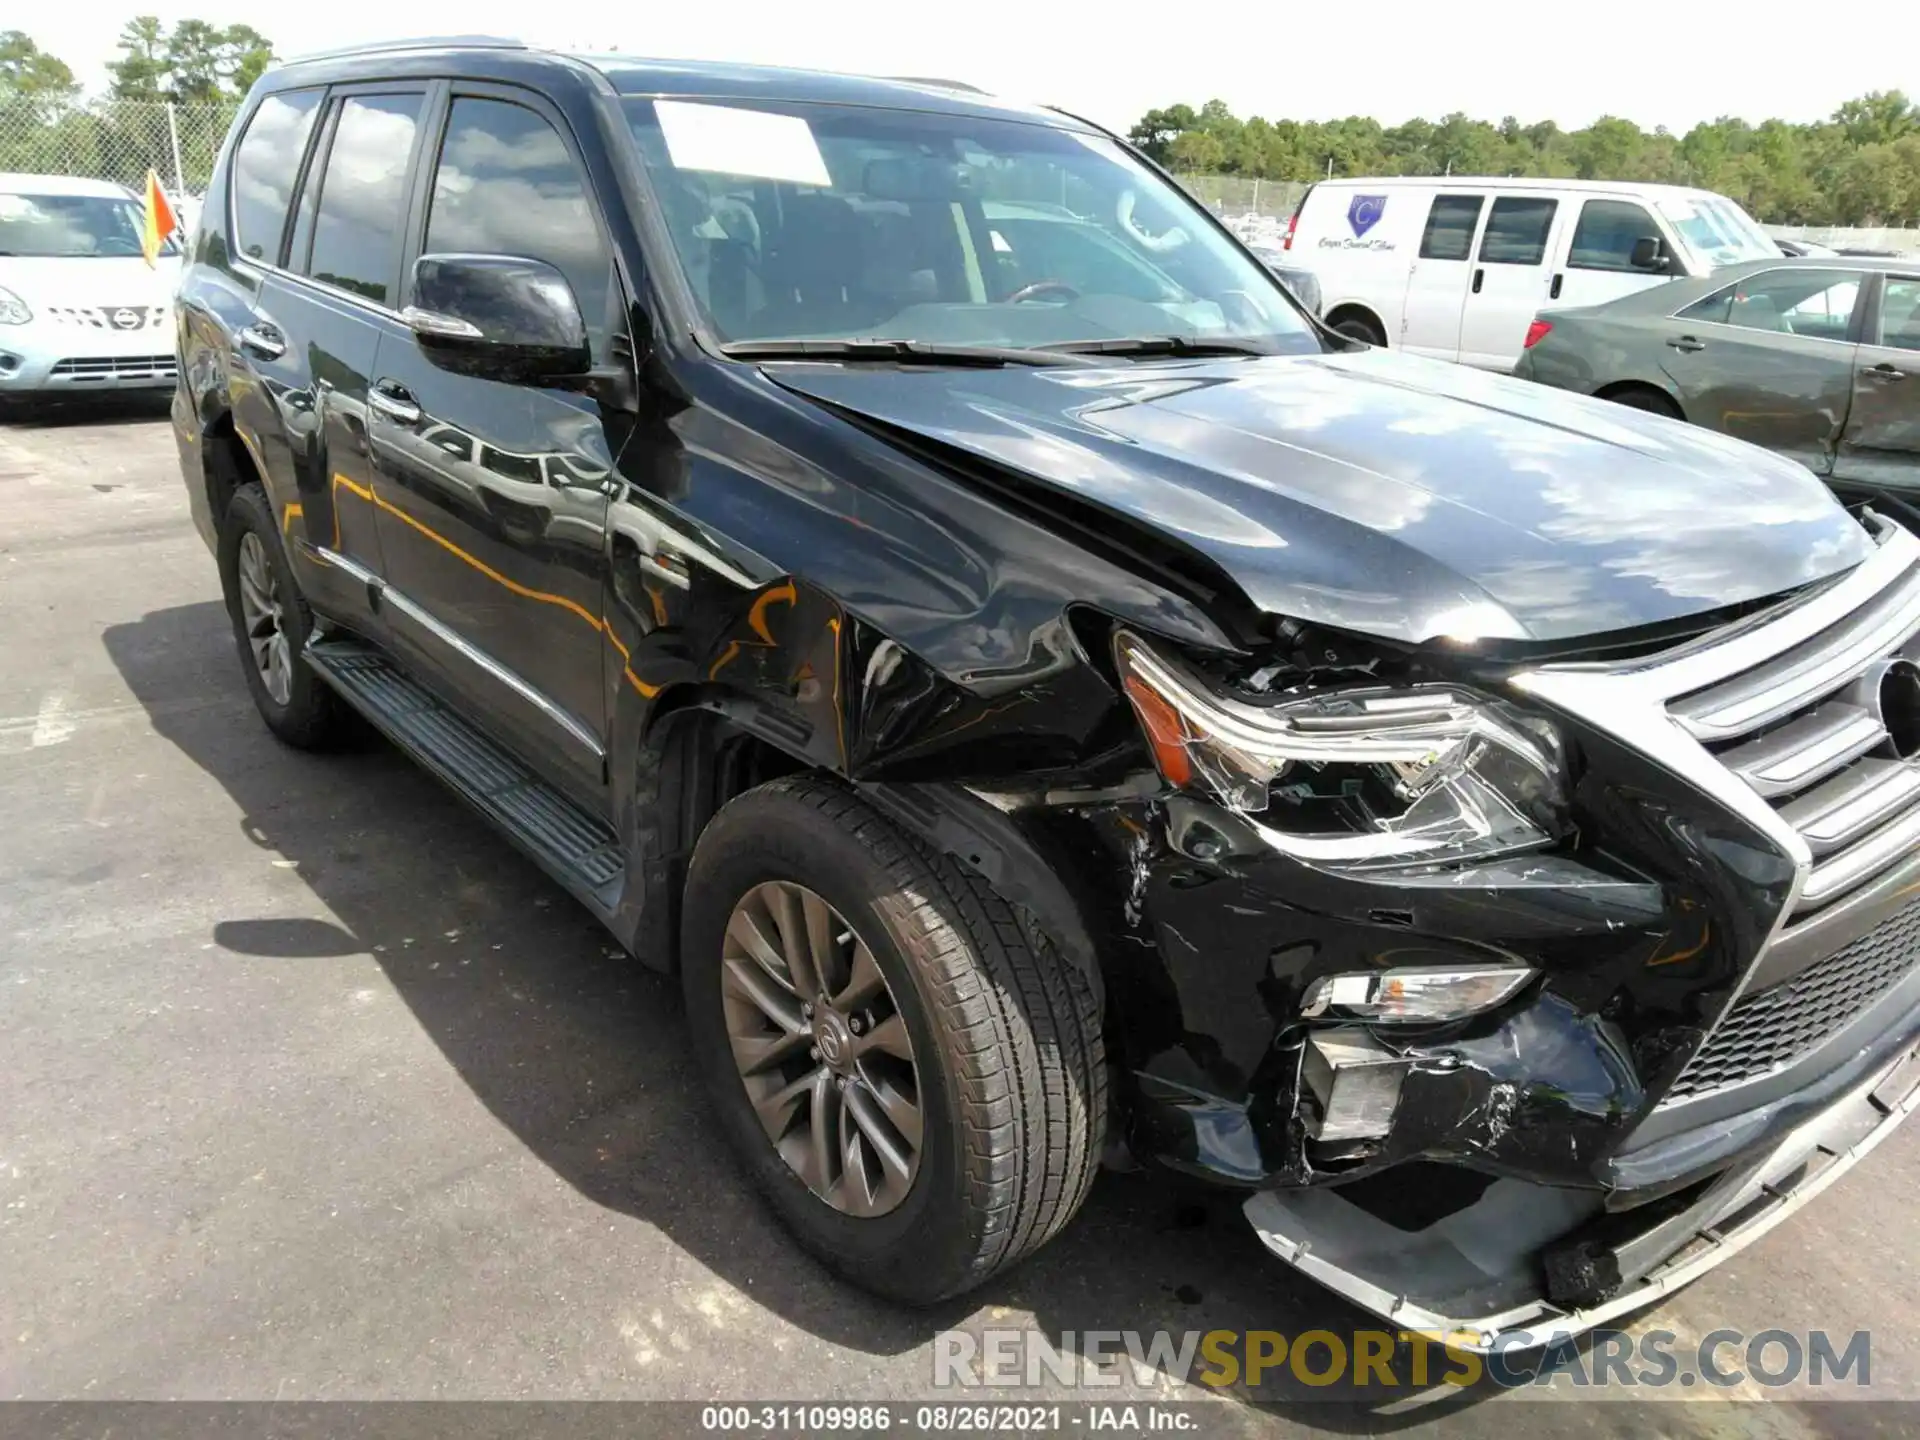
1861	166
205	70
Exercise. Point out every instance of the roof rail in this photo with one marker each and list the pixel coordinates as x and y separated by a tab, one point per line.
937	84
420	42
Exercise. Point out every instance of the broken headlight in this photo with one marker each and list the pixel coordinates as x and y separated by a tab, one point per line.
1354	775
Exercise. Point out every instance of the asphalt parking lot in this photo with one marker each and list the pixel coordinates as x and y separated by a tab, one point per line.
311	1088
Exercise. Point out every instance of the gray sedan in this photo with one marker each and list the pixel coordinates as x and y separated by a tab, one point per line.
1818	359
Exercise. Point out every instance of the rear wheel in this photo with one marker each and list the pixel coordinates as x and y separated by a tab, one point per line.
1651	401
271	623
1359	327
907	1069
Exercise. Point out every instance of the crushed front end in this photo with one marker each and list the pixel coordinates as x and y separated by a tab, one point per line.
1519	995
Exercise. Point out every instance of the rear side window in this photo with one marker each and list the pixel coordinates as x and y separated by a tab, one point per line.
1517	231
1450	225
363	196
507	185
1900	312
1817	304
265	167
1605	236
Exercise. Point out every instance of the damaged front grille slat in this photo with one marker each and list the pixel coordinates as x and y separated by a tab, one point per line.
1854	803
1805	750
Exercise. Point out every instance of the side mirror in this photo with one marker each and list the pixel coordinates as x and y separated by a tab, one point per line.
1650	253
497	317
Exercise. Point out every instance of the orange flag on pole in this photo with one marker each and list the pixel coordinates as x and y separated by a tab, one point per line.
159	221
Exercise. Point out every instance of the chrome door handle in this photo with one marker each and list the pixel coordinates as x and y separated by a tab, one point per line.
262	340
1688	344
1884	371
396	408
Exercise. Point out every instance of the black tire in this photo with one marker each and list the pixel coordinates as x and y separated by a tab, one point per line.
1356	327
1650	401
1006	1037
312	716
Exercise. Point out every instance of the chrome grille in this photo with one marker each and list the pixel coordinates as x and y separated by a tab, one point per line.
114	367
1805	730
1771	1028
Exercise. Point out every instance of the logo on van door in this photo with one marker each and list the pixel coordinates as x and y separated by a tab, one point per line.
1364	213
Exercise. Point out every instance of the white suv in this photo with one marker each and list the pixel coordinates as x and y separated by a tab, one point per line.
80	309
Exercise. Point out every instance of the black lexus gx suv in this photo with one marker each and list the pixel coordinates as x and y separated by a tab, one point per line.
905	568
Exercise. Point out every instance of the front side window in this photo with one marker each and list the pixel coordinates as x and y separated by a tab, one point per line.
265	166
1517	231
507	185
803	221
1607	232
71	227
363	196
1450	227
1818	304
1900	312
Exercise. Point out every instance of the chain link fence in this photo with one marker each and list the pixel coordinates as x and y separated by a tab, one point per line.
118	140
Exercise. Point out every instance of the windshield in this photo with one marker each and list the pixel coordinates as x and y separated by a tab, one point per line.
71	226
1716	229
833	222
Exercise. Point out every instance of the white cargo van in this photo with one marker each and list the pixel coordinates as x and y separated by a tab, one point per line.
1457	267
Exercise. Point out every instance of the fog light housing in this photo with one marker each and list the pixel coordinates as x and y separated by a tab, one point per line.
1414	994
1354	1081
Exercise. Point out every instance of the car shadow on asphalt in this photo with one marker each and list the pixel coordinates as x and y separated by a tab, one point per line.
577	1049
105	408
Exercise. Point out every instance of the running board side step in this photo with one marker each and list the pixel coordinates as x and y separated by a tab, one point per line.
578	850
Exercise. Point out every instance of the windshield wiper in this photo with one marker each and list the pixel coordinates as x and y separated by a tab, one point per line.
898	352
1161	345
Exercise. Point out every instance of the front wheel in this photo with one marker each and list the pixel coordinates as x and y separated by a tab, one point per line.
907	1068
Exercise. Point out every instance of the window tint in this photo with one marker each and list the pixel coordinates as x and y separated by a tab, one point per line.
507	186
1517	231
1814	303
363	198
1605	236
1900	313
1449	232
265	167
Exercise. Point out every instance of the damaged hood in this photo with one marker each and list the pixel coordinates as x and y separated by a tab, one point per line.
1384	494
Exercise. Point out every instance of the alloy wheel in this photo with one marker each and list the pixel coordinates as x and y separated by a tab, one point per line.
822	1048
264	616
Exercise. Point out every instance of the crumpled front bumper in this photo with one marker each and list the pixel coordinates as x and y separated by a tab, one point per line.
1474	1277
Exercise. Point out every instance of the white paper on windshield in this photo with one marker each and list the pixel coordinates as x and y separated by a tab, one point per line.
741	142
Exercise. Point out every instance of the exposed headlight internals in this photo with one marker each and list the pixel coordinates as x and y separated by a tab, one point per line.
1414	995
1354	776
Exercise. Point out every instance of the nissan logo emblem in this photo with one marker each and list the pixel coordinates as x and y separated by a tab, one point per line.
127	319
1896	701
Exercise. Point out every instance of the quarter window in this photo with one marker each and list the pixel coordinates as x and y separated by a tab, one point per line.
1900	313
1517	231
1450	226
1605	237
265	167
507	185
363	197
